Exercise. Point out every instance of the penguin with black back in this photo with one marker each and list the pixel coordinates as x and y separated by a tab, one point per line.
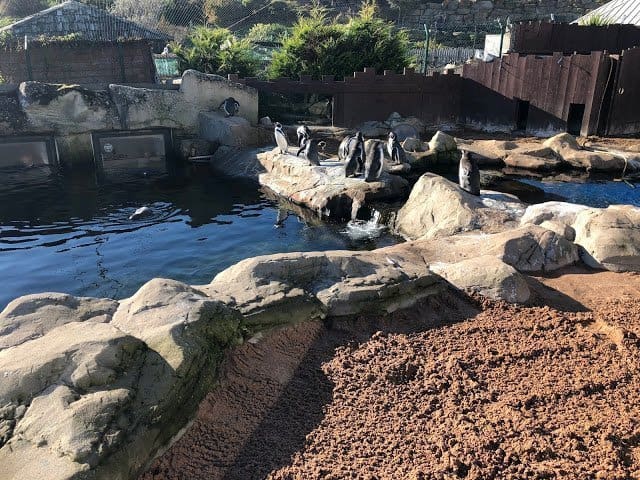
374	163
352	152
230	106
469	173
310	148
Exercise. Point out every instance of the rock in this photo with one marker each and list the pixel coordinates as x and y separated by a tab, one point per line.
231	131
558	212
529	162
205	92
293	287
374	129
442	142
567	148
413	144
266	122
32	316
324	189
91	398
66	109
437	207
560	228
610	237
399	169
402	125
194	147
404	131
488	276
238	162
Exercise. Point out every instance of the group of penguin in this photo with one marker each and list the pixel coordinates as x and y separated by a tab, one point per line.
358	156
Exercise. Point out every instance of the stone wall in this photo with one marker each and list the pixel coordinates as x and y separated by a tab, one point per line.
70	113
84	63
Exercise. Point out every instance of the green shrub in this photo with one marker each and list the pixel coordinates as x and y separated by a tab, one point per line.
216	50
316	47
267	32
595	20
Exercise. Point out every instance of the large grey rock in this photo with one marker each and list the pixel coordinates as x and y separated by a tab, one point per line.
204	92
84	399
231	131
293	287
33	316
324	189
437	207
66	109
488	276
442	142
560	212
610	237
567	148
238	162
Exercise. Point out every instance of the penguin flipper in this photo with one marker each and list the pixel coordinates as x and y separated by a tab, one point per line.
300	151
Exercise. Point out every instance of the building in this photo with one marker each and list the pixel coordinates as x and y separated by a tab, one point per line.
623	12
77	43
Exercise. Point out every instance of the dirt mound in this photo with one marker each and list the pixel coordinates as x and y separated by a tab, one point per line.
451	389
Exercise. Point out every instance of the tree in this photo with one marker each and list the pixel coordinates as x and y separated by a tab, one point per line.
144	12
216	50
316	46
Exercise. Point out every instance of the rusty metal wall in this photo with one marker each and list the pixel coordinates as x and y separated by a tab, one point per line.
547	38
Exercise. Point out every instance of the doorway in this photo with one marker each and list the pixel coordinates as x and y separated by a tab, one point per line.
574	120
522	114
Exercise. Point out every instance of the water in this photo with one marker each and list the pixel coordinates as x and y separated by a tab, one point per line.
599	194
72	234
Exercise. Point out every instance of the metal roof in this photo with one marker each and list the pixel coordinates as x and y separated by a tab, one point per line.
90	22
617	11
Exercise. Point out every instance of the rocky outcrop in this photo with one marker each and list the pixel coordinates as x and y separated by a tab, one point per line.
558	212
567	148
488	276
439	208
91	391
523	155
324	189
610	237
285	288
231	131
442	142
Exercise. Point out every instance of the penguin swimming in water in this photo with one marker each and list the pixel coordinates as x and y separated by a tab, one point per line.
230	107
141	212
469	173
396	152
303	133
352	152
310	148
374	163
281	138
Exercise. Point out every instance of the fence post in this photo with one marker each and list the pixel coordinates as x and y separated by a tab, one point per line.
426	48
27	58
502	32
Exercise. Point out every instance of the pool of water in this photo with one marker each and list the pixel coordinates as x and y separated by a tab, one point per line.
600	193
73	234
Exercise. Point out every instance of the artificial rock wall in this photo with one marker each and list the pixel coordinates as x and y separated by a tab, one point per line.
70	113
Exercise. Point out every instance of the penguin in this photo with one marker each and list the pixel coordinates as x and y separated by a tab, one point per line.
396	152
141	212
310	148
351	150
230	107
303	134
469	173
374	154
281	138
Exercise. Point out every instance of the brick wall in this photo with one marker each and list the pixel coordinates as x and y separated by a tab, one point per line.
84	63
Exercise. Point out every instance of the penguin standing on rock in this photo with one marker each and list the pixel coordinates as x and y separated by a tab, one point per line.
230	107
310	148
304	134
374	154
281	138
396	152
352	152
469	173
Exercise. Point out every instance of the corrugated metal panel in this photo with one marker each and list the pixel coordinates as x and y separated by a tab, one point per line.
617	11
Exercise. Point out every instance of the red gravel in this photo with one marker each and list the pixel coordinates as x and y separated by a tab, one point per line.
450	389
